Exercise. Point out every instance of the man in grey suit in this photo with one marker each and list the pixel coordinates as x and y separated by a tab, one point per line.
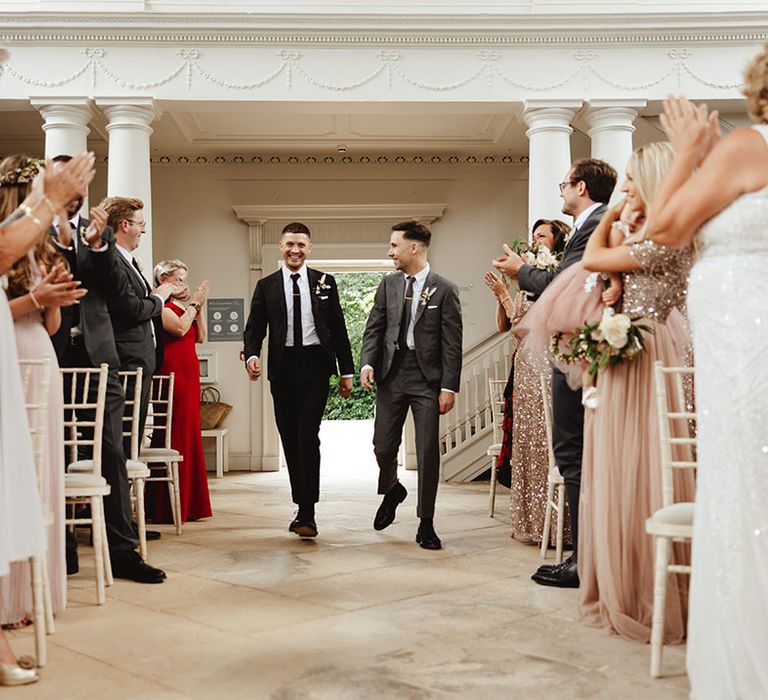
585	191
412	351
135	313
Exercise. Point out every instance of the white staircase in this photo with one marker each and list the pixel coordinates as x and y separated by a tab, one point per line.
465	432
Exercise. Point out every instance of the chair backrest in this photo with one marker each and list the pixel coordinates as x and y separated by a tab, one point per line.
132	381
85	391
546	395
496	398
161	403
36	382
676	423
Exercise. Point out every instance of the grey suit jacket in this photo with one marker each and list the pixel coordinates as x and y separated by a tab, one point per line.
131	312
535	281
437	331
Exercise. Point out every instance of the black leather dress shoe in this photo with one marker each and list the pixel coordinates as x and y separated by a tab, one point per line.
385	515
131	566
565	577
427	538
549	568
153	535
73	565
294	524
305	527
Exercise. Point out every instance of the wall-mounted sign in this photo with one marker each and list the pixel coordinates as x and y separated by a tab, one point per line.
226	320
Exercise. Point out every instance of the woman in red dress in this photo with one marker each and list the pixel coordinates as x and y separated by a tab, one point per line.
184	325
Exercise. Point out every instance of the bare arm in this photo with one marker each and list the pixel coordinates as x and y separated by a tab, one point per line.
598	256
178	326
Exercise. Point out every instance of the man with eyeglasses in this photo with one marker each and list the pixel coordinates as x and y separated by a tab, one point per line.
86	339
585	191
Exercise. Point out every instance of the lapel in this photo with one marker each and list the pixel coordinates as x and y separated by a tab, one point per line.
396	300
277	294
313	278
140	286
428	284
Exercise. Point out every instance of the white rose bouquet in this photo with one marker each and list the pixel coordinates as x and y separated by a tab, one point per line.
616	337
538	256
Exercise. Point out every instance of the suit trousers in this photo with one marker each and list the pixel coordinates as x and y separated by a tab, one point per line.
117	506
146	389
568	443
403	388
299	394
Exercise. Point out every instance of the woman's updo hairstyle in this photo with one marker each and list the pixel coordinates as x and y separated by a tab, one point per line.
756	87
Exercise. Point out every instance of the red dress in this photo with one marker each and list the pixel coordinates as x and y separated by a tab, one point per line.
181	359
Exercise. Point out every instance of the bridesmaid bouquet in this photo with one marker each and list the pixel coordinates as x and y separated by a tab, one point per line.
612	339
538	256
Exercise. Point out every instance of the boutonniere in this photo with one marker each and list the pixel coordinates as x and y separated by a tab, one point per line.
321	286
82	231
426	294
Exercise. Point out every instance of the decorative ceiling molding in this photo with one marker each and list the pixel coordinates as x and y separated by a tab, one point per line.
258	213
389	159
377	29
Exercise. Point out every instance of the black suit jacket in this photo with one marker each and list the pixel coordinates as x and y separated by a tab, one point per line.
269	311
437	330
535	281
132	311
100	275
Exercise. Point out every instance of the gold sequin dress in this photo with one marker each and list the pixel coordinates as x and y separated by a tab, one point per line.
621	466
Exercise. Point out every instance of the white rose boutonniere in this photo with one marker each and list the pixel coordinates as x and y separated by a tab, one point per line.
426	294
321	286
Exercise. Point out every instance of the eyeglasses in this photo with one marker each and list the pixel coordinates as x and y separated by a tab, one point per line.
563	185
140	224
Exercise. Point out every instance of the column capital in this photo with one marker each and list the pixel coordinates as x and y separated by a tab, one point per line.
70	112
612	115
549	115
131	113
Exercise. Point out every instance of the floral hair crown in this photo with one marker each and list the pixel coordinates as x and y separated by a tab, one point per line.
23	174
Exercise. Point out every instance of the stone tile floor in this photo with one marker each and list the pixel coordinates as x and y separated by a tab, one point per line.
250	611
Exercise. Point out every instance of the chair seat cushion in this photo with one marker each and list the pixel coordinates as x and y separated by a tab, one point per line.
90	483
82	466
673	521
159	453
136	469
494	450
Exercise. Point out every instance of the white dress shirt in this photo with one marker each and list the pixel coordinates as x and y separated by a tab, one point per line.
308	331
581	218
418	285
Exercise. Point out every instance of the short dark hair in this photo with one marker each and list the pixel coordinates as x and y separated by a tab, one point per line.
414	231
296	227
559	231
63	158
599	177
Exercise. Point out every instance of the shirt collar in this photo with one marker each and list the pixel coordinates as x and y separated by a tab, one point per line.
581	218
125	253
302	272
420	277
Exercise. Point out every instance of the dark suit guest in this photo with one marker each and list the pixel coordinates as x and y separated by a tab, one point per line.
136	312
308	343
85	339
412	350
585	191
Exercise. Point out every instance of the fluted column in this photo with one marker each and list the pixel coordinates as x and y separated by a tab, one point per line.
611	125
65	125
549	154
129	173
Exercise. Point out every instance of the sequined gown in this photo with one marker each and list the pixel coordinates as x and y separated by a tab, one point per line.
621	467
528	459
728	308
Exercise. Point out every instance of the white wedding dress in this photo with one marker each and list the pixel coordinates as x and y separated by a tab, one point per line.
21	518
728	308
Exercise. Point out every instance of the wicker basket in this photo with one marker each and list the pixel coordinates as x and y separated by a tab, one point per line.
212	409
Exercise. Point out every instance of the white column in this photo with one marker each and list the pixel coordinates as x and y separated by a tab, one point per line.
65	125
129	172
549	155
611	125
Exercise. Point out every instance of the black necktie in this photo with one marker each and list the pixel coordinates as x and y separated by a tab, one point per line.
405	318
298	339
135	263
72	259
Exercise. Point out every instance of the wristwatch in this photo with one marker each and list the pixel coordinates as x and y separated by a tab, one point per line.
194	305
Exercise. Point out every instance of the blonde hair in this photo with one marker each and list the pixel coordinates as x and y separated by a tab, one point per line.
649	165
756	87
168	267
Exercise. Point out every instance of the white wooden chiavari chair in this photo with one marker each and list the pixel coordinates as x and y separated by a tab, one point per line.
673	522
496	398
554	482
137	471
163	461
84	484
37	374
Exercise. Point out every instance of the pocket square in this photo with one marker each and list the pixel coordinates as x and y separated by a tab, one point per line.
323	298
432	307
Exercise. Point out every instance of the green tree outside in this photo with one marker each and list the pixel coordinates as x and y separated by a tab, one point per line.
356	292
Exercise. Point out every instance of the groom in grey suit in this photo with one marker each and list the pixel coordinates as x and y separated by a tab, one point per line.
585	191
412	351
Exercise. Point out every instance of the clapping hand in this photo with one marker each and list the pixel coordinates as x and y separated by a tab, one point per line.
65	181
690	127
200	294
495	285
93	234
57	288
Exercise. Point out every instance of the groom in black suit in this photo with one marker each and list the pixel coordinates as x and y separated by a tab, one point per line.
308	343
586	190
85	339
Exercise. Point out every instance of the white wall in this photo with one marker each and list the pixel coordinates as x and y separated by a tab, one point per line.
193	220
